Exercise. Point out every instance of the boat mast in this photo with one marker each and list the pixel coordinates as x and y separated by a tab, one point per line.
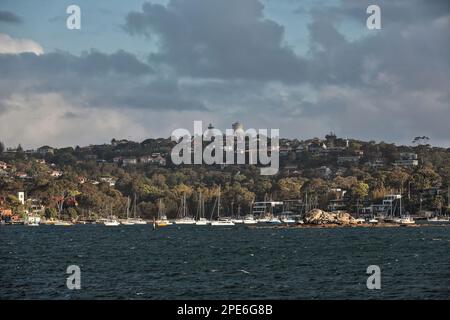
134	206
184	205
218	205
128	207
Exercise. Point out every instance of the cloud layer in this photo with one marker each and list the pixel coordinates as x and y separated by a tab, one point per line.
227	60
13	46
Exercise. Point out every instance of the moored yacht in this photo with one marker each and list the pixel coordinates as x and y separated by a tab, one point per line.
405	220
286	217
201	220
62	223
438	219
220	221
127	221
183	215
274	220
249	219
137	221
33	220
111	222
162	220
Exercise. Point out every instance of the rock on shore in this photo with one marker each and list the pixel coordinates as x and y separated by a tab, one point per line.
317	216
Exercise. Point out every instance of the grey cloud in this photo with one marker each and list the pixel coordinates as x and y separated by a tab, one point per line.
228	62
218	39
94	79
9	17
394	12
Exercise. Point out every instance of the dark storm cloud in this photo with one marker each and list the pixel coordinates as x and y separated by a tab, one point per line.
391	83
9	17
226	59
93	79
393	11
218	39
410	51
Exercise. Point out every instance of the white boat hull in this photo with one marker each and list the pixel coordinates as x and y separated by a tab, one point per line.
222	223
111	223
184	222
62	223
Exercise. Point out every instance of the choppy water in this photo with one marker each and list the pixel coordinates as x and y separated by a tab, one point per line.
189	262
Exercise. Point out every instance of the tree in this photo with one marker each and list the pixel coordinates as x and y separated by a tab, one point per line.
50	213
72	213
425	178
2	147
396	178
360	190
289	188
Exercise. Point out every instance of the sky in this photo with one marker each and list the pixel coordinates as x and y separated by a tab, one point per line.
141	69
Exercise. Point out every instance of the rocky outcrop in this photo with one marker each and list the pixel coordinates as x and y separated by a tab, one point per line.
317	216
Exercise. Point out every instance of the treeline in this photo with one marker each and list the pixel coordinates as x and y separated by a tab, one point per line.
424	186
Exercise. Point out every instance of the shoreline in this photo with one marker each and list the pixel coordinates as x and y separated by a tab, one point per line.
362	225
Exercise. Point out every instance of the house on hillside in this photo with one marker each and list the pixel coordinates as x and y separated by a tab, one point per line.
44	150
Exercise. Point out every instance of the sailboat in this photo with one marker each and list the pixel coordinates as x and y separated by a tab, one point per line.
136	220
438	219
238	218
201	220
111	221
127	221
249	219
220	221
33	221
182	213
403	220
162	220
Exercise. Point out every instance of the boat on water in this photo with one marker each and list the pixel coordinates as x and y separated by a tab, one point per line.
249	219
185	220
373	221
220	221
183	217
127	221
162	220
33	221
201	220
288	220
438	219
404	220
137	221
237	219
263	219
110	222
286	217
63	223
360	220
274	220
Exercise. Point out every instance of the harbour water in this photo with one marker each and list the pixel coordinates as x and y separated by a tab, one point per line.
192	262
